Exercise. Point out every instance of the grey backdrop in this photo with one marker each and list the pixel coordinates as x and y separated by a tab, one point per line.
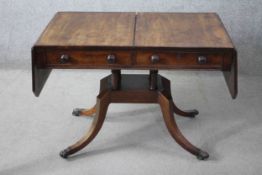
134	139
22	22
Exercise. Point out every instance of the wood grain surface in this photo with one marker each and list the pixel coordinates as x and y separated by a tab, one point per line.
89	29
189	30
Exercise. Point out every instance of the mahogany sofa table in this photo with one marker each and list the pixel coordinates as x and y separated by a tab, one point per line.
148	41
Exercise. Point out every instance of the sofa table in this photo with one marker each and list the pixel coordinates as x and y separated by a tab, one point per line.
144	41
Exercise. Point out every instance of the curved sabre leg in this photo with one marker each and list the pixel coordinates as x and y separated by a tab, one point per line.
167	92
186	113
84	112
101	109
166	107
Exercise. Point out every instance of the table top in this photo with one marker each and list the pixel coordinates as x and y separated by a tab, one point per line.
116	29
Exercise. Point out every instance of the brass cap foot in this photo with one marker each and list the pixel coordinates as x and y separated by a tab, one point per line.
194	112
202	155
77	112
65	153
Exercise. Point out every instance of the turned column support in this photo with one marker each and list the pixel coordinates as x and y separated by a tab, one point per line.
153	79
116	79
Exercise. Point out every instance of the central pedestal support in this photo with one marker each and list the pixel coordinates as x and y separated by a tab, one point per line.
151	88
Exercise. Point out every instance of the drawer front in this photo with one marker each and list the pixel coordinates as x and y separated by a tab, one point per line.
179	60
90	59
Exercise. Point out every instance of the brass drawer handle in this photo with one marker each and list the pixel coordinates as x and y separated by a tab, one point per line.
64	58
154	59
111	59
202	59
